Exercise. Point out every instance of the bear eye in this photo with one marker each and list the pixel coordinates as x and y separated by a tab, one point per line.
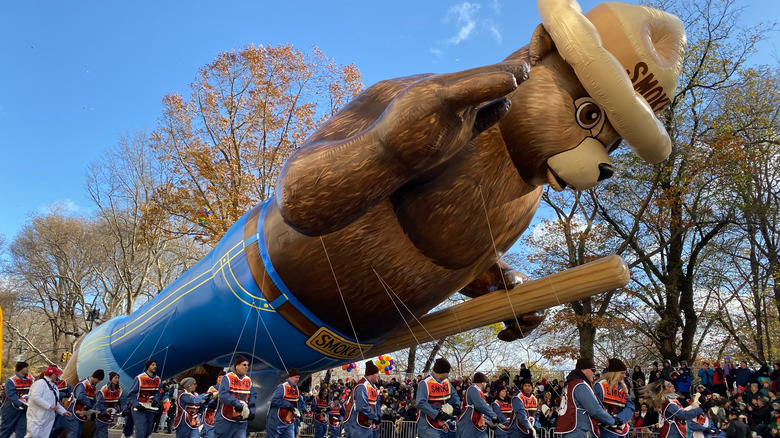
588	115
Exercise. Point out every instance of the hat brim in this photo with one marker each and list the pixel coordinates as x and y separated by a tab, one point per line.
605	79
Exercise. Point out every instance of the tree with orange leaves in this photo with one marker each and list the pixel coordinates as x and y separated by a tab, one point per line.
245	113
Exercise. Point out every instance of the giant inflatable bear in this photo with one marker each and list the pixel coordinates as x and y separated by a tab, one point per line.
406	196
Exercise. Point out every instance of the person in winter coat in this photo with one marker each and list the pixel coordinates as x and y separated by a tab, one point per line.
471	423
662	397
579	404
743	375
612	392
683	383
705	374
13	418
437	400
719	380
735	427
361	407
44	404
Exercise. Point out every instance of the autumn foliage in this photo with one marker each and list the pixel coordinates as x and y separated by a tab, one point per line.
226	139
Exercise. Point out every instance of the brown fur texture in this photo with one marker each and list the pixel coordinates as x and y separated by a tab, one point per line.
395	204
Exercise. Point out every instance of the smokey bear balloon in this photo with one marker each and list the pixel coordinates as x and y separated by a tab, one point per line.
406	196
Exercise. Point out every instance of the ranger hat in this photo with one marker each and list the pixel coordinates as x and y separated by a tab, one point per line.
628	58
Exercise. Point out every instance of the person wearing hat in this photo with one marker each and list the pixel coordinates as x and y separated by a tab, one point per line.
13	418
236	404
43	405
579	405
188	419
436	401
735	427
211	409
81	408
525	412
502	406
612	392
108	402
361	407
143	398
284	411
683	380
471	423
653	376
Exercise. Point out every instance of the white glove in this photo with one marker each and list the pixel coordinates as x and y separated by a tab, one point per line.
493	422
296	412
533	432
111	411
695	403
245	411
148	406
447	408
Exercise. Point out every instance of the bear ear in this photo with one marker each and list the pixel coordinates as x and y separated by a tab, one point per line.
541	44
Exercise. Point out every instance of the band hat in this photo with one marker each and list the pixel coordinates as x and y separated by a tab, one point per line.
616	365
371	369
628	58
441	366
186	382
584	363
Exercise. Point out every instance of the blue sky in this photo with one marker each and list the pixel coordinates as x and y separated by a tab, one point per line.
76	74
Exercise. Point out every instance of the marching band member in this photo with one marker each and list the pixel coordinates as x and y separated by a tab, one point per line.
502	406
108	402
612	392
188	416
280	421
211	409
436	400
319	408
471	423
525	409
13	414
661	396
360	409
144	397
579	404
236	402
335	415
83	403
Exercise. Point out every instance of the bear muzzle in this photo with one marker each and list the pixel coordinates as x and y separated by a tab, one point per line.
582	167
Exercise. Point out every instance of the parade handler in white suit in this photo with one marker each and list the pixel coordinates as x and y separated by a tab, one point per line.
44	405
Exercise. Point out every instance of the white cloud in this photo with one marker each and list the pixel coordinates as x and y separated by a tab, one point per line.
496	34
496	6
435	51
464	15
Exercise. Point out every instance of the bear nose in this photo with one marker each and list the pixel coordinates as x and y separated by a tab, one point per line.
605	171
